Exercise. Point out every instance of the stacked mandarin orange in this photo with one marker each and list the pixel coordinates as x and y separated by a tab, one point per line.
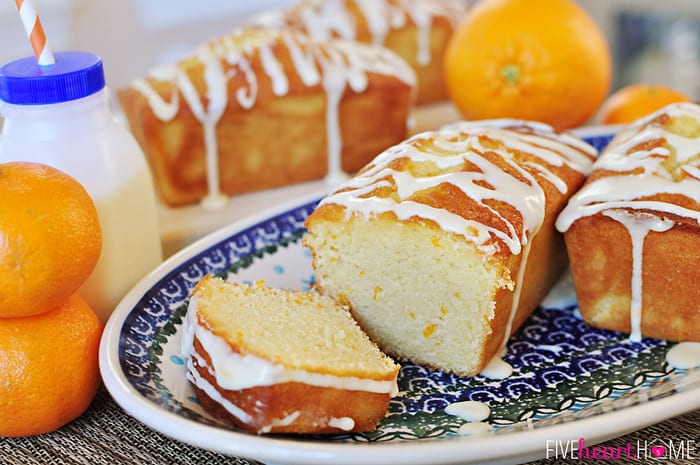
50	241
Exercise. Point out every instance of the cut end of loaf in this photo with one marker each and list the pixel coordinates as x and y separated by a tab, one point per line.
422	294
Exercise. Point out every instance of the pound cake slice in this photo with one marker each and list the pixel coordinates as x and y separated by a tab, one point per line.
445	243
633	230
264	108
417	30
277	361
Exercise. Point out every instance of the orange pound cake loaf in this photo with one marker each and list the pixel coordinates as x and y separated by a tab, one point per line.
417	30
265	108
445	243
275	361
633	232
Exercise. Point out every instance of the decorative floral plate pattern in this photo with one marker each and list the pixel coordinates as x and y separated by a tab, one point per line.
564	370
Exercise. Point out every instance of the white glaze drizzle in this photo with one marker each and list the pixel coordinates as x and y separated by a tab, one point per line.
638	225
335	65
516	298
286	421
451	147
497	368
343	423
615	195
454	146
195	378
325	19
557	149
684	355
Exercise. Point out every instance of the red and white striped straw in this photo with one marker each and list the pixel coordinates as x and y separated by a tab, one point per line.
35	32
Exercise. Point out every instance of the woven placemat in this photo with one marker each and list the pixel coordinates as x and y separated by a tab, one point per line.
106	435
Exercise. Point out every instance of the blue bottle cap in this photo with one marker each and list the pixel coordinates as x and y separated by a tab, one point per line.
75	75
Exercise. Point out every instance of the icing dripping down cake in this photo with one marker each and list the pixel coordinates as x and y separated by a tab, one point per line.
445	243
632	230
275	361
417	30
265	108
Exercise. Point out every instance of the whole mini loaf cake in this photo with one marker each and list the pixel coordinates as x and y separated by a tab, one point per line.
417	30
445	243
632	230
264	108
277	361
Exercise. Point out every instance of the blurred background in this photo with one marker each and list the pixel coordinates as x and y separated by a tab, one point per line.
651	41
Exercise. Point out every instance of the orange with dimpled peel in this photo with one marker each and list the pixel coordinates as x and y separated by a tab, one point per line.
49	368
635	101
540	60
50	238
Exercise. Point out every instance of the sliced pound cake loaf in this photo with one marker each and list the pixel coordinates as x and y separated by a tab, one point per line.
445	243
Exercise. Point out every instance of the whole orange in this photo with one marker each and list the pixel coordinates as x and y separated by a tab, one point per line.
541	60
634	101
49	369
50	238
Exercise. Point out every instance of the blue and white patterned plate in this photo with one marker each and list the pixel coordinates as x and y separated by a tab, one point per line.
571	381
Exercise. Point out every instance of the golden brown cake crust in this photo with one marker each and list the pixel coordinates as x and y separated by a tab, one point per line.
311	407
650	159
601	265
281	139
449	198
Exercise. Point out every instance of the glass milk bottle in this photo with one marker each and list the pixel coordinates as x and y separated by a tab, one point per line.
59	115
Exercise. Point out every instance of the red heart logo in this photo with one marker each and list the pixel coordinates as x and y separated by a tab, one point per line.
658	451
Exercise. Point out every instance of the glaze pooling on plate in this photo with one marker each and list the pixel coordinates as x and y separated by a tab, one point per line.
590	372
684	355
